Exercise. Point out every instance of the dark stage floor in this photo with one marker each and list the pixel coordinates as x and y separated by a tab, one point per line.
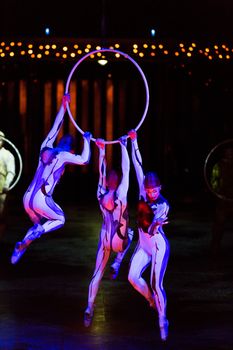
43	297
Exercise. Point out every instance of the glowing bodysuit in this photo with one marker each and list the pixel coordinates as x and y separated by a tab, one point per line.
152	247
114	231
38	202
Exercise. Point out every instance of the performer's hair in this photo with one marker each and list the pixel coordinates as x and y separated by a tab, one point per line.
66	143
53	152
144	216
151	180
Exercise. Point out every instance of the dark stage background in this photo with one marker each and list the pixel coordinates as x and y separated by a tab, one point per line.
189	113
189	69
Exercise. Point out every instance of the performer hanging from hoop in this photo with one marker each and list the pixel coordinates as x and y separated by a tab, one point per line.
114	234
152	247
38	202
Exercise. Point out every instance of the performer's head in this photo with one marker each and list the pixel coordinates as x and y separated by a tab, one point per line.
152	186
145	215
66	143
112	180
48	154
1	139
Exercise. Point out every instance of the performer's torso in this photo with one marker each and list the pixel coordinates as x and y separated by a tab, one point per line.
160	209
47	176
115	222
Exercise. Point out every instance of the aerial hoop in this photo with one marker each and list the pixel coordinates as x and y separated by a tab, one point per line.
20	162
127	57
218	170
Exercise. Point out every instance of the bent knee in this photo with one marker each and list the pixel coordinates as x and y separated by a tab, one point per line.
61	222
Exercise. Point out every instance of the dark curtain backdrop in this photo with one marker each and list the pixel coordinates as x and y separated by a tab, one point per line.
190	111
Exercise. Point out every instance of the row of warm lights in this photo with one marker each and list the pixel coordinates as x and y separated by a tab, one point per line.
221	51
39	51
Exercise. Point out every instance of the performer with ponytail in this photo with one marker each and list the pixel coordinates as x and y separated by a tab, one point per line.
153	247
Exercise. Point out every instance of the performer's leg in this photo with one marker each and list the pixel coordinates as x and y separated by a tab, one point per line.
120	256
160	257
139	263
51	212
54	220
47	214
101	260
20	247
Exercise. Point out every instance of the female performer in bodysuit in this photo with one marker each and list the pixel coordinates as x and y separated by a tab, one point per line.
153	247
112	197
38	202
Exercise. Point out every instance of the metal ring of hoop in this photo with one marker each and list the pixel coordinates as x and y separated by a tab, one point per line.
127	57
20	162
205	170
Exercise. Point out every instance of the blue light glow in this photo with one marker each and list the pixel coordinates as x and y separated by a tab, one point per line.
47	31
153	32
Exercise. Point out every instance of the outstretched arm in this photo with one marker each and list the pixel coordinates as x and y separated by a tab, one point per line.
86	153
102	167
51	137
137	159
84	157
125	167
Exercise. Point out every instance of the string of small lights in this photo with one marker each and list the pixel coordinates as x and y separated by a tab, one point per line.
72	49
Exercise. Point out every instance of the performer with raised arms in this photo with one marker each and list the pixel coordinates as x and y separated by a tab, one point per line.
112	196
153	247
38	201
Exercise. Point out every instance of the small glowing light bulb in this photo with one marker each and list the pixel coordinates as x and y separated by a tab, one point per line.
47	31
153	32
